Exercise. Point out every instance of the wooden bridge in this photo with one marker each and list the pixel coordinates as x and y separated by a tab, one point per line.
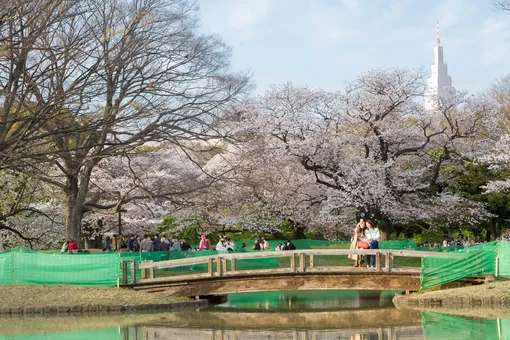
301	272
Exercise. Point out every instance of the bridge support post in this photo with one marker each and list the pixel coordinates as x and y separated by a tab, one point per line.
218	265
378	261
233	265
302	265
124	272
311	261
210	266
224	265
132	270
292	263
387	262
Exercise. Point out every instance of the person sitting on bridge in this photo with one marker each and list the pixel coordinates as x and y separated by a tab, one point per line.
279	247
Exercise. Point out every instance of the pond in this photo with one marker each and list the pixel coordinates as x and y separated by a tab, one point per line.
311	315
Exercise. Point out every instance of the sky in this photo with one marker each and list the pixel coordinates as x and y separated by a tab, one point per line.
328	43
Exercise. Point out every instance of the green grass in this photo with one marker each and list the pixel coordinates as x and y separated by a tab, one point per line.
13	296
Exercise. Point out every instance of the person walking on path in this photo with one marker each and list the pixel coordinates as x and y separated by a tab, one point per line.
359	236
372	236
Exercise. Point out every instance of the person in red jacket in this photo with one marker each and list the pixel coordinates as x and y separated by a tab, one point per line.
72	246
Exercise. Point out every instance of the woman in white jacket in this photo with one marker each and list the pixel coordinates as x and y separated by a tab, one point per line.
372	236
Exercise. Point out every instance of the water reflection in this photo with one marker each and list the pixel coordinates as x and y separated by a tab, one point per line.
285	315
308	300
387	333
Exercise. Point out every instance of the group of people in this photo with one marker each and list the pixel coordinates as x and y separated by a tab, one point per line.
225	243
366	236
146	244
69	246
134	243
263	244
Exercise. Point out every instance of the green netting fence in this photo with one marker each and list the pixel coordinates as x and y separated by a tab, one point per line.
323	244
482	260
25	266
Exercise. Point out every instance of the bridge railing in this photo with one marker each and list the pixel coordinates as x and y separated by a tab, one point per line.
300	261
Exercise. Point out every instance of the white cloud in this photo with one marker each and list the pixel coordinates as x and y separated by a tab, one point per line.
493	27
351	4
451	12
330	23
243	14
494	41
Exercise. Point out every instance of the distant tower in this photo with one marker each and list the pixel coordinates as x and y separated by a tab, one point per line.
439	80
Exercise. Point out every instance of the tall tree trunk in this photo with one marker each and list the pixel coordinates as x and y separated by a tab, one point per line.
75	204
298	232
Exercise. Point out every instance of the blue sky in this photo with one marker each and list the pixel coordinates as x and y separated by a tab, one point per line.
326	43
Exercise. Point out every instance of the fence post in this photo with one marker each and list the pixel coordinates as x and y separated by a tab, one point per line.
387	262
496	269
132	268
210	266
218	265
311	261
292	263
378	261
233	265
124	272
224	265
302	262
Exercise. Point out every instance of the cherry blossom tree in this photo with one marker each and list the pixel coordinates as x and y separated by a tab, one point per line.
370	151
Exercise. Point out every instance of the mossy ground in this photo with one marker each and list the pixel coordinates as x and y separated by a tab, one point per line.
13	296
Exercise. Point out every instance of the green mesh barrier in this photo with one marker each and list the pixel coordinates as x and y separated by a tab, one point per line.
6	268
503	252
437	326
22	265
65	269
451	266
323	244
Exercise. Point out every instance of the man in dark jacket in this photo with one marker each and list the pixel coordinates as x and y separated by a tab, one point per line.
185	246
131	243
156	242
164	245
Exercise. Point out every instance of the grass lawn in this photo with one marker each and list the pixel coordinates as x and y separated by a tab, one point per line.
13	296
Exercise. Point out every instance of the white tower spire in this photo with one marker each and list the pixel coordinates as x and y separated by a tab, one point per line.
439	81
437	33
